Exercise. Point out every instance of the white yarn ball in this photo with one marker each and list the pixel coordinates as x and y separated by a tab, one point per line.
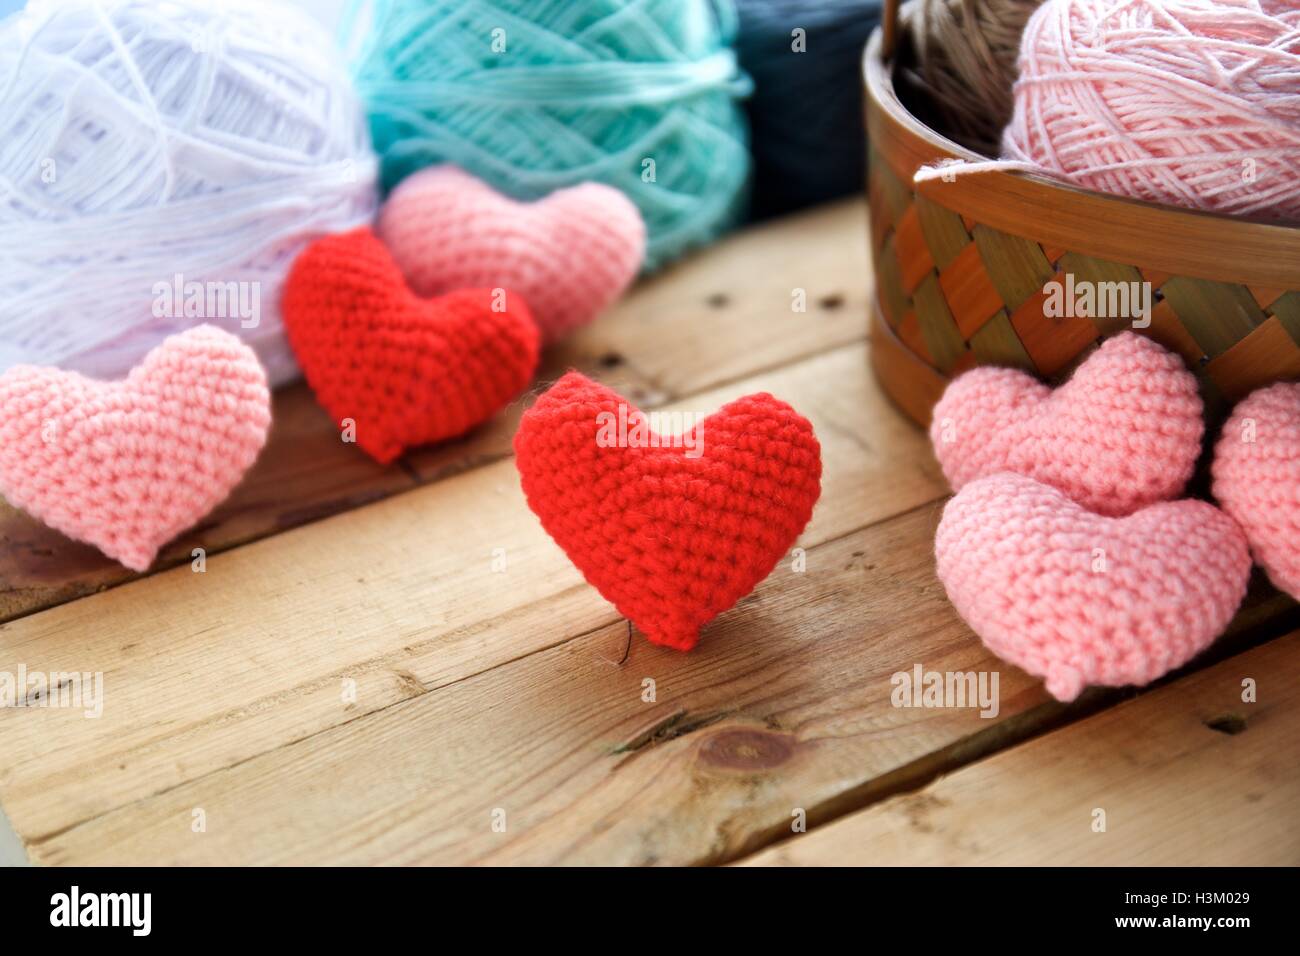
142	140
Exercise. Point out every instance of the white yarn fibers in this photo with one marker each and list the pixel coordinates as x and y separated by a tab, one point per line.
146	140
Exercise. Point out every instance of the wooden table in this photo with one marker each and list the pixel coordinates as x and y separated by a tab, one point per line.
355	678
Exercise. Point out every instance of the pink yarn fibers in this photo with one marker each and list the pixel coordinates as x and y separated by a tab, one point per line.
1188	102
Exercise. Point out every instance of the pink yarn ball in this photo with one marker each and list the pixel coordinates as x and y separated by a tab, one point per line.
1187	102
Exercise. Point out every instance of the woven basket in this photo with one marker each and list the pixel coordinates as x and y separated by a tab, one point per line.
961	267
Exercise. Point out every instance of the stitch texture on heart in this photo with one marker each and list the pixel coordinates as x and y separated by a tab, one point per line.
1257	478
570	255
671	536
128	465
1124	432
406	370
1079	598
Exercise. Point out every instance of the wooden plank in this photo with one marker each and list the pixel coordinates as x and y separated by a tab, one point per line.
730	312
370	688
12	852
786	707
1186	775
400	596
722	316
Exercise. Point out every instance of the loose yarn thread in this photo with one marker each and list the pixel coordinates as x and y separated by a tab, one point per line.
536	95
143	141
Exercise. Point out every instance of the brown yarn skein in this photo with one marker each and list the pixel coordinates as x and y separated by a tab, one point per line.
963	61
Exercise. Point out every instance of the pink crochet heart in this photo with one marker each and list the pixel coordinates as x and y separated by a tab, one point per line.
1078	598
569	255
1257	478
128	465
1124	432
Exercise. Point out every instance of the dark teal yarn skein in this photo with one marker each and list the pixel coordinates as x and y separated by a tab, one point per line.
806	110
535	95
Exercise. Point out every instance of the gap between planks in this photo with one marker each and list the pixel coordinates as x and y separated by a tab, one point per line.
869	447
249	666
293	716
787	709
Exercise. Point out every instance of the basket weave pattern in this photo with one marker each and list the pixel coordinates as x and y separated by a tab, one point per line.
956	293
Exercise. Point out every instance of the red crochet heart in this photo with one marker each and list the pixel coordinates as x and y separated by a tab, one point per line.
406	370
671	529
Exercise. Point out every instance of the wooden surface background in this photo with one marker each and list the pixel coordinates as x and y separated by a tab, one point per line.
354	680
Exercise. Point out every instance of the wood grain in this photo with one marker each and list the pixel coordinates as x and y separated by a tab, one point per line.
372	686
720	317
785	705
1187	774
732	311
399	596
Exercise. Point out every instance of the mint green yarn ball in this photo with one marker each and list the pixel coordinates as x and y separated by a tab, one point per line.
536	95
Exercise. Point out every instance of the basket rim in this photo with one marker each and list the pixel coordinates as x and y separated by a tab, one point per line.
1157	236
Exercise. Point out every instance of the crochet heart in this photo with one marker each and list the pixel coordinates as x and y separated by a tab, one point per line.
1124	432
570	255
671	529
128	465
1078	598
1257	478
403	370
